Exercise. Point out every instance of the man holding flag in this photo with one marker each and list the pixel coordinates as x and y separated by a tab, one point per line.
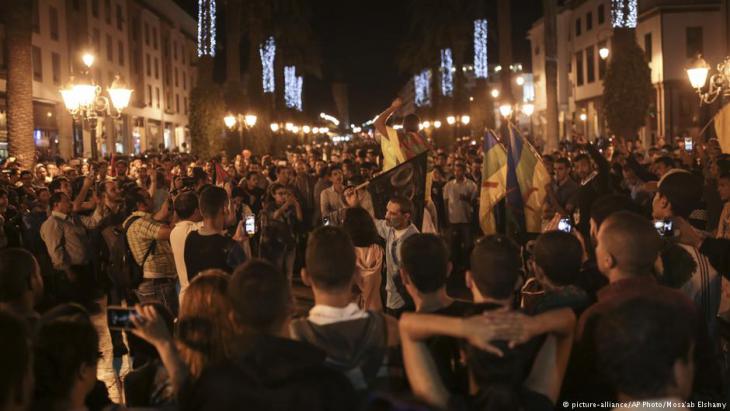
399	145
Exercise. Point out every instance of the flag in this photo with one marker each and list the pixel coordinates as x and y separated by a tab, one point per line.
390	146
531	177
722	128
494	181
405	180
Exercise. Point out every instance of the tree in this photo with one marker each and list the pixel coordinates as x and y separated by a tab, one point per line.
207	110
19	29
551	73
627	86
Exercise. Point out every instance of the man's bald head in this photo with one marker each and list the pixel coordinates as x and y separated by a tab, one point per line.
627	242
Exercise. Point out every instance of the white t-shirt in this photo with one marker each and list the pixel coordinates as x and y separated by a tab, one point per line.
178	235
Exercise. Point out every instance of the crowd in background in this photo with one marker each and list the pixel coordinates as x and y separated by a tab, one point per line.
623	297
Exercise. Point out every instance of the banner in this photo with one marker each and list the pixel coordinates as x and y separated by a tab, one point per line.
405	180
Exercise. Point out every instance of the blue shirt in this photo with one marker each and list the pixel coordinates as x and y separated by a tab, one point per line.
393	241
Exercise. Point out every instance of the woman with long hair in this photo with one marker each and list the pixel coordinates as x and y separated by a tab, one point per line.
360	227
204	333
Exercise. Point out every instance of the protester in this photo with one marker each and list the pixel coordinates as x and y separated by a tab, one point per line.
369	262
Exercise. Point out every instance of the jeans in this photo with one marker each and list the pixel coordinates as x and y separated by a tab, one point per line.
159	291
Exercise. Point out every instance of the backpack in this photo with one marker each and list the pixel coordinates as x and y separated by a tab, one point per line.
123	268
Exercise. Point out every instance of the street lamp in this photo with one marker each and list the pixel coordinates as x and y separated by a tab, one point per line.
274	127
528	109
604	52
427	124
247	121
306	129
465	119
230	121
437	124
583	117
495	93
250	120
520	81
84	101
719	83
505	110
451	120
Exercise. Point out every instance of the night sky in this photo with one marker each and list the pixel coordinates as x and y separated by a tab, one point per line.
360	39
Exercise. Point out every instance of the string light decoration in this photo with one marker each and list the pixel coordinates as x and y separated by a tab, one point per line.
298	93
480	48
447	73
267	51
290	80
624	13
206	28
422	85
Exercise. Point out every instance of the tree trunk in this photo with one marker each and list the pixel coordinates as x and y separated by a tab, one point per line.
505	48
18	26
551	73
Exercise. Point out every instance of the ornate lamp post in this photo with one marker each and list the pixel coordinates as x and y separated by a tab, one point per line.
242	120
719	84
83	99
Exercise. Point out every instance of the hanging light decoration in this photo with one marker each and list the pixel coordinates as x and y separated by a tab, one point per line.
447	73
298	93
480	48
422	84
290	80
267	52
206	28
624	14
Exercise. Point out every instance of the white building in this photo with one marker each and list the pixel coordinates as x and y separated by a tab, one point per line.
671	33
150	44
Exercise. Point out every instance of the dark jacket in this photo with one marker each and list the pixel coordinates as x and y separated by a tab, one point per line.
274	374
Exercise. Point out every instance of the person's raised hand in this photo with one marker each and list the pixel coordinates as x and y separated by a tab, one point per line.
397	103
686	234
149	325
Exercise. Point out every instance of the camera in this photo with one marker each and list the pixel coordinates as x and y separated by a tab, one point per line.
251	224
565	225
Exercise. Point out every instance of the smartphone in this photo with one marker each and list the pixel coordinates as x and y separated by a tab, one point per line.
688	144
326	220
565	225
120	318
251	224
664	228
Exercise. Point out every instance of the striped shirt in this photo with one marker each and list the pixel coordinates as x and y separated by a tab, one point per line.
140	236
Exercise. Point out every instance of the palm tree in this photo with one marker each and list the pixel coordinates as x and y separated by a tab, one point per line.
18	26
551	72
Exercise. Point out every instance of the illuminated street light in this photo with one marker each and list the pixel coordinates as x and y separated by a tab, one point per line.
495	93
451	120
528	109
88	59
250	120
604	52
583	117
274	127
465	119
230	120
306	129
437	124
505	110
520	81
427	124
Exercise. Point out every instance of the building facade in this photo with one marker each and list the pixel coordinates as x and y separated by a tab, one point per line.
149	44
671	33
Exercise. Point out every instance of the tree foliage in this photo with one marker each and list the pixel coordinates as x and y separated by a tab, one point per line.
627	86
207	110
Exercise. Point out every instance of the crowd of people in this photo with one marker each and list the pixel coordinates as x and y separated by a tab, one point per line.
621	302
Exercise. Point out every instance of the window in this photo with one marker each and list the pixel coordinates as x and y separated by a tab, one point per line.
146	34
185	105
589	21
76	5
95	8
185	80
694	41
56	66
577	27
149	95
601	14
591	64
579	68
120	18
177	103
154	37
96	39
537	50
157	68
3	63
168	101
174	50
165	48
601	62
648	49
108	11
135	62
183	55
109	48
37	64
135	29
53	17
36	17
149	65
176	82
120	52
157	95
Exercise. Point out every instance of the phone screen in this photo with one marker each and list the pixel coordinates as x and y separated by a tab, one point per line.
664	228
565	225
120	318
688	144
250	224
326	220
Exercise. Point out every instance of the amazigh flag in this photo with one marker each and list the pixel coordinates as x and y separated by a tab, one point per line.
400	147
494	182
530	175
405	180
